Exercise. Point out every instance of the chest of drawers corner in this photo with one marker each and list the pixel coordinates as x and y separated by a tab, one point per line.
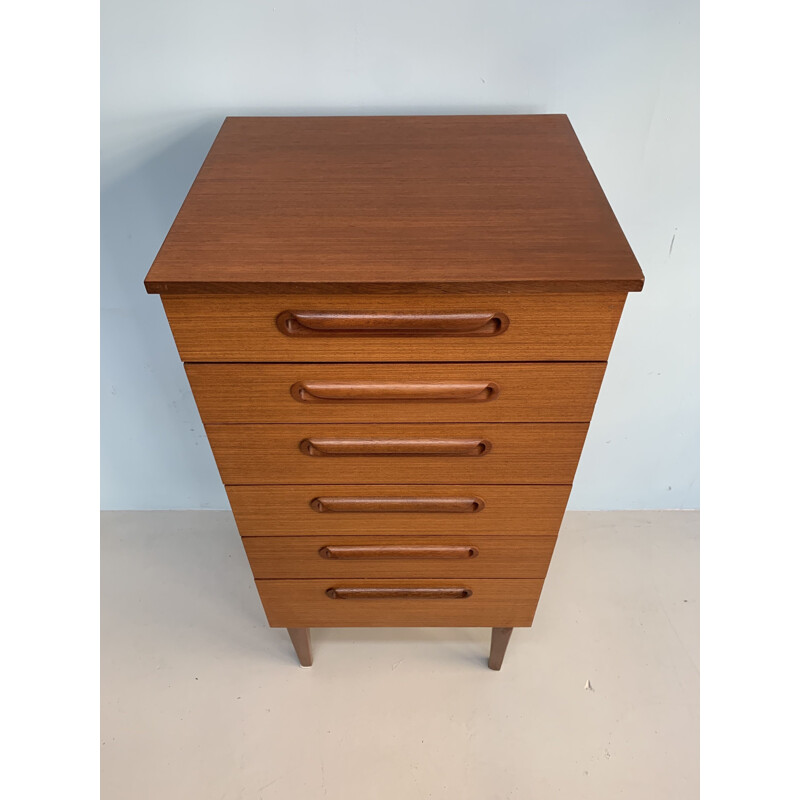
395	330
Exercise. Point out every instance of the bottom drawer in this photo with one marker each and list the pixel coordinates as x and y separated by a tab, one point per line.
339	556
482	603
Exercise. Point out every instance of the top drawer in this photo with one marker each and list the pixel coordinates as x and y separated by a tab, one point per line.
537	327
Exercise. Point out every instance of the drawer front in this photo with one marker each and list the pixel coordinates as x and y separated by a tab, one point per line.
321	510
491	392
433	602
426	453
338	556
312	328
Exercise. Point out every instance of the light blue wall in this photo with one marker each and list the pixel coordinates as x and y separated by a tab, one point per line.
625	71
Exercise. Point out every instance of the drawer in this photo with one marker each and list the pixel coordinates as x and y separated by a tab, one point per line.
413	453
315	510
491	392
311	328
339	556
486	602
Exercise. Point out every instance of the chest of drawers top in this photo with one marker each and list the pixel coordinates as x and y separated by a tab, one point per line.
395	205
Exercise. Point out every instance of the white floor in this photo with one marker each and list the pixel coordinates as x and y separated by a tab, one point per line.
202	700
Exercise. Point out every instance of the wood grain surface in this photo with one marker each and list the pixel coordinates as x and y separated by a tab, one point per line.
490	392
542	327
384	556
430	204
524	453
278	510
507	602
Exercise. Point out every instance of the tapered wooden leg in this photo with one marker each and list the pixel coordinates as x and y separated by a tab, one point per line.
500	637
301	639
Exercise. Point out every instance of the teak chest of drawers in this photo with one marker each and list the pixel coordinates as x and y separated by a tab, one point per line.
395	329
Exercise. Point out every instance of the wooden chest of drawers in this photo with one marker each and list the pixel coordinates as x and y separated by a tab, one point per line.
395	329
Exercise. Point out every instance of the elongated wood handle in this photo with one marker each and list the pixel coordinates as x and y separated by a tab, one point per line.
395	447
356	552
369	323
413	505
394	593
331	391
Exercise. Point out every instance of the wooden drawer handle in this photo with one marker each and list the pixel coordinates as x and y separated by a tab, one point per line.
395	447
351	552
414	505
391	593
367	323
322	391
